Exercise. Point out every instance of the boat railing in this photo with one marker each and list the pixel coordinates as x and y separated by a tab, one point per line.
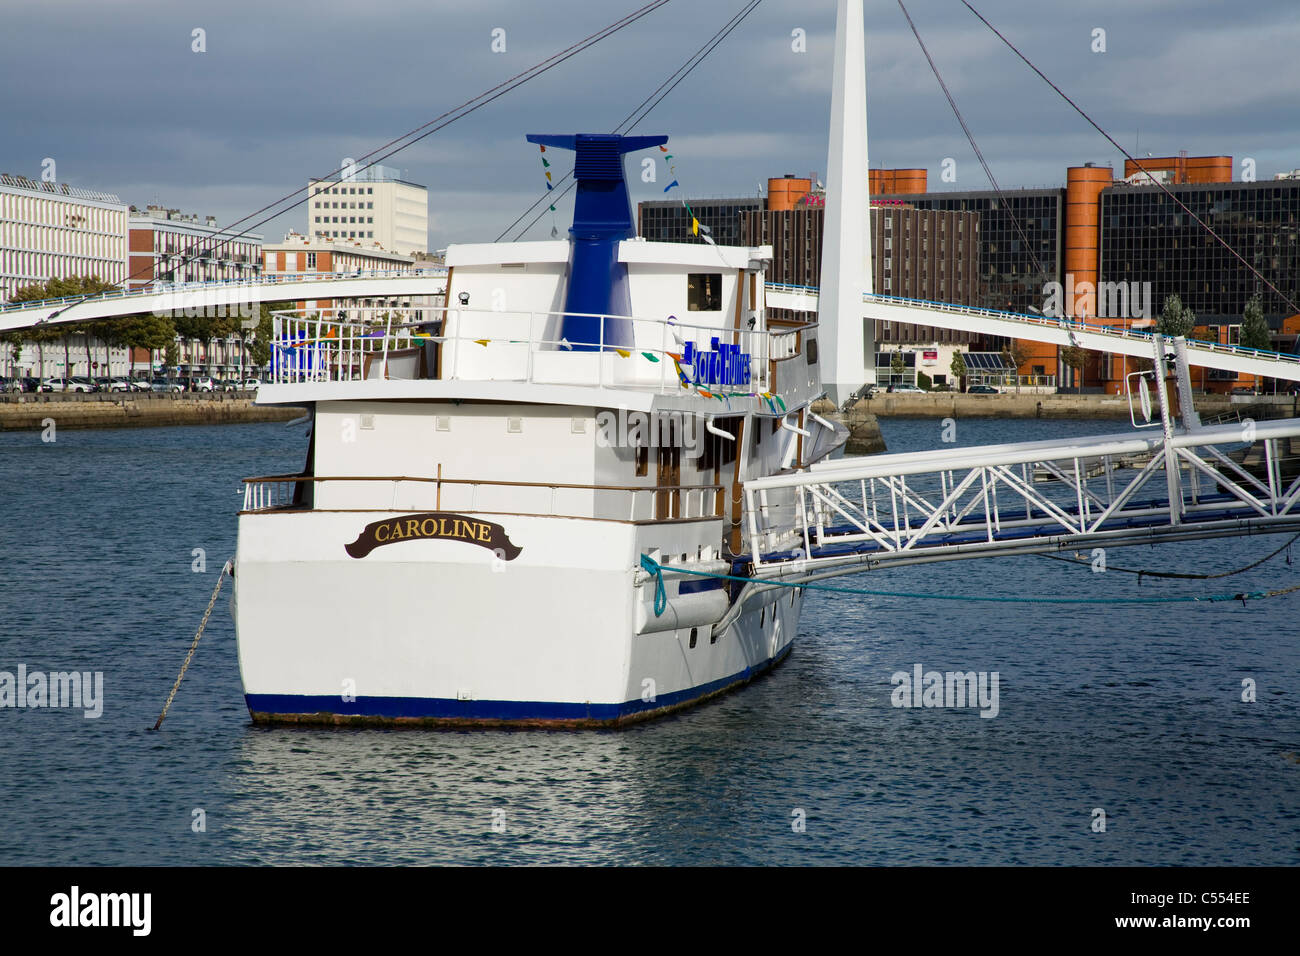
406	493
488	345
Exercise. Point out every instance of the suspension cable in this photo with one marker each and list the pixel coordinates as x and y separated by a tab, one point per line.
1015	221
426	129
1182	205
632	120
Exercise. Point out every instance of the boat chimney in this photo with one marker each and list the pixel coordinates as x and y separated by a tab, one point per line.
602	218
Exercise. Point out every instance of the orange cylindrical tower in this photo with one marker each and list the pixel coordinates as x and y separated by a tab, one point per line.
785	193
1083	186
886	182
1209	169
908	181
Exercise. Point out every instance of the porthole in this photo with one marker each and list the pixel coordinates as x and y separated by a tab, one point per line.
762	617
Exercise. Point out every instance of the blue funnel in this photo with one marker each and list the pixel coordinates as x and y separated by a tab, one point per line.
602	217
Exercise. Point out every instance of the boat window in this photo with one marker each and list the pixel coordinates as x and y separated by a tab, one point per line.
718	451
704	292
642	460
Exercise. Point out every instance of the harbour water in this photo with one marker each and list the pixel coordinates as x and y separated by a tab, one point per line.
1136	711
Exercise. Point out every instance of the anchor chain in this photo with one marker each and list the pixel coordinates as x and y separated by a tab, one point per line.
227	568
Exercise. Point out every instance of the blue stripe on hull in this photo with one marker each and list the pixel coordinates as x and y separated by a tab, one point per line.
331	709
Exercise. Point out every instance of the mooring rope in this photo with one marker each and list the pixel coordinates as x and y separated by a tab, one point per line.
1187	575
227	568
656	569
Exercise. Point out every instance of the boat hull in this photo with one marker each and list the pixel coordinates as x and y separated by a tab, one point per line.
428	633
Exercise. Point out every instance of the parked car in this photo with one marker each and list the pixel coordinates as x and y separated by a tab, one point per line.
166	385
982	390
904	387
139	384
86	383
31	384
1243	390
202	384
250	385
228	385
65	385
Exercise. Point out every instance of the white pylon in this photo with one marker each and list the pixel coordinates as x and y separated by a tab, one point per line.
846	235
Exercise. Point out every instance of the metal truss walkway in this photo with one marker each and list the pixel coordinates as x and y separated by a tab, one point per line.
1185	481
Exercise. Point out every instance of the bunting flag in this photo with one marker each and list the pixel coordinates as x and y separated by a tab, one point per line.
623	352
671	185
482	342
663	149
550	185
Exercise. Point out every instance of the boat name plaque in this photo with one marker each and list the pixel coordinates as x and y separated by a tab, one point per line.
438	524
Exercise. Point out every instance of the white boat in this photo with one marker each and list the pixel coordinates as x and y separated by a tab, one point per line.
488	481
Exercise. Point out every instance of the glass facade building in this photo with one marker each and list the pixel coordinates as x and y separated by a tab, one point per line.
668	220
1013	268
1146	237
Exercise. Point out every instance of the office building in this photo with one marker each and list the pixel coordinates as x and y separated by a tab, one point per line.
56	231
372	205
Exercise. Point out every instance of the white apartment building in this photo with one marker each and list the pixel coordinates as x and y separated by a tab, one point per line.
372	205
54	231
169	245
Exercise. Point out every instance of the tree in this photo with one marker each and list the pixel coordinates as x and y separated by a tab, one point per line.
1175	318
1016	353
109	333
206	329
1254	327
896	364
147	331
58	288
958	366
259	344
1074	357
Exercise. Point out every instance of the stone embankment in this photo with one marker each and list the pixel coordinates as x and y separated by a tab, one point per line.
135	410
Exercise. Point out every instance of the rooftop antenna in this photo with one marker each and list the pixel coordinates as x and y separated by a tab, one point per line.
846	237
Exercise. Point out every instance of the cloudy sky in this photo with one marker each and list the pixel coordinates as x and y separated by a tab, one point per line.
113	92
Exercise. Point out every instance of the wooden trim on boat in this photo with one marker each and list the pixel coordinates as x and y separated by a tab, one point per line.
297	510
480	481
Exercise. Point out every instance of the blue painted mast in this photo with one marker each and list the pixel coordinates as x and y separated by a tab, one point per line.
602	217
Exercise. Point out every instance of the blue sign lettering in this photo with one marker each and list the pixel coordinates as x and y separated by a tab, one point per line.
725	365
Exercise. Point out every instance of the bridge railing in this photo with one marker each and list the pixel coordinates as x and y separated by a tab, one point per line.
1064	322
275	278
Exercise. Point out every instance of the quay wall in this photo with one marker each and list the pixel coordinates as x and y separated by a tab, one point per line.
126	410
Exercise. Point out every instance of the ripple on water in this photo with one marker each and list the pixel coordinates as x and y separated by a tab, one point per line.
1133	711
